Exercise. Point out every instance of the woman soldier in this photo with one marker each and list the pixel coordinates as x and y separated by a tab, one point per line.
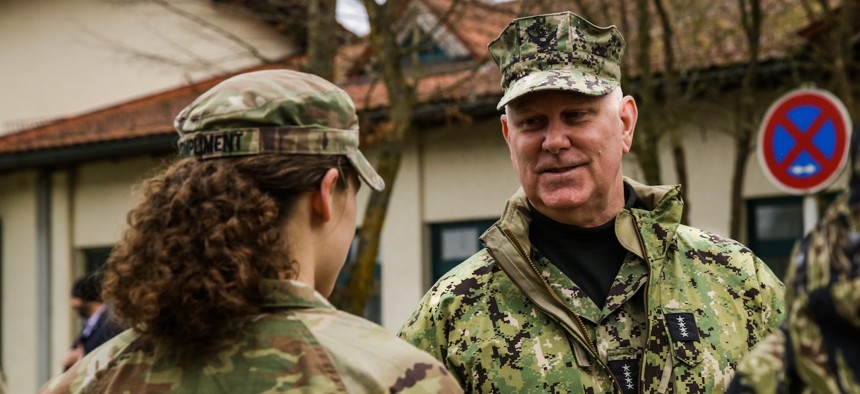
223	269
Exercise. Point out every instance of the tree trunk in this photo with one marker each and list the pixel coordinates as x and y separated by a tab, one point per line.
362	278
844	55
751	21
647	136
401	92
671	92
322	38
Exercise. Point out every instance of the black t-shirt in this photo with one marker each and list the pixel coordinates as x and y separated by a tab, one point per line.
591	257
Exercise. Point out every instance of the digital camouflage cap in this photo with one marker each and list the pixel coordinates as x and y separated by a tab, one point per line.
560	51
273	111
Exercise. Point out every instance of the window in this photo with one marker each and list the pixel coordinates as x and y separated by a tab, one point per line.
775	224
430	52
95	258
452	243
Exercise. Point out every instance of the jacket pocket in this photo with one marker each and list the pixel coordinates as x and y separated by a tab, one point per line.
684	335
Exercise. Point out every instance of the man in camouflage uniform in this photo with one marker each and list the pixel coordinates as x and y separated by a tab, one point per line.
588	282
817	350
301	343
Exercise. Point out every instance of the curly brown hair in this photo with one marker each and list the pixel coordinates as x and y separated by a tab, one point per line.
186	274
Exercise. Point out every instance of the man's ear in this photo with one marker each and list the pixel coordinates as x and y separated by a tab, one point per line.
628	114
504	120
506	131
323	198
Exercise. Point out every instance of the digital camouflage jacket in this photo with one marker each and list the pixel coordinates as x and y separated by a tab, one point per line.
304	345
817	350
685	307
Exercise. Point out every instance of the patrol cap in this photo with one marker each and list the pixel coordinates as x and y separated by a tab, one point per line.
560	51
273	111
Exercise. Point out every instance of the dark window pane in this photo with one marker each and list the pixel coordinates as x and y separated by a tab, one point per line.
452	243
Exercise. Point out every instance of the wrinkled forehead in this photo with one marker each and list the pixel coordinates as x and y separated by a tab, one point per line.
536	100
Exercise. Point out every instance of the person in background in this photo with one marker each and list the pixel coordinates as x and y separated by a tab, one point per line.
99	326
817	350
589	283
223	271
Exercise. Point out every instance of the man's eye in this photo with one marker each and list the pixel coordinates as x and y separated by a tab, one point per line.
528	123
575	115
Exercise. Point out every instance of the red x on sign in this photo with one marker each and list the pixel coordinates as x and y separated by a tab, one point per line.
803	140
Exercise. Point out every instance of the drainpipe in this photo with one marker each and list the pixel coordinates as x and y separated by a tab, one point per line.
43	278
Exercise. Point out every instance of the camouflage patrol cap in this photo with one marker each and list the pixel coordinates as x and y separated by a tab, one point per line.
560	51
273	111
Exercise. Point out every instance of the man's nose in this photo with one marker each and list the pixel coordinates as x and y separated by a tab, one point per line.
556	139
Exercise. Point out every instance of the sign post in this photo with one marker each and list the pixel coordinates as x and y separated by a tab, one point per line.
803	144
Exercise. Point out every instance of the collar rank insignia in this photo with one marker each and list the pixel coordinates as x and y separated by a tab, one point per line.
682	326
626	373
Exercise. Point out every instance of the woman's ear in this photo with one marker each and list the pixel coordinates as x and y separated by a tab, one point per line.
324	197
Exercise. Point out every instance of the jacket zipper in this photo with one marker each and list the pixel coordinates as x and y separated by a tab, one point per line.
576	318
644	301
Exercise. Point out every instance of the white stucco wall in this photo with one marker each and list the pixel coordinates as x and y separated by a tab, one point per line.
401	245
62	319
467	173
19	281
66	57
104	193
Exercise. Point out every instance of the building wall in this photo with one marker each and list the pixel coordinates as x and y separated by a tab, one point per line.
19	281
467	172
401	255
63	58
104	192
63	323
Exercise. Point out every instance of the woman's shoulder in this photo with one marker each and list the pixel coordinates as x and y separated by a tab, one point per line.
365	354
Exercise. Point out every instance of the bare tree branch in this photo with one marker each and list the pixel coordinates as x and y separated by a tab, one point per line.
195	64
215	28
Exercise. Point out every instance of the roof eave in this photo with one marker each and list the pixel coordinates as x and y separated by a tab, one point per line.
75	154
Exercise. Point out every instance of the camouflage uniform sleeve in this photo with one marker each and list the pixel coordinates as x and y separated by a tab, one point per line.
84	372
763	370
61	384
772	296
421	330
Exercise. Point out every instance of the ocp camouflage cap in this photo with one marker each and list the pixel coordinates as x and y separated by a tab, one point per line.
273	111
560	51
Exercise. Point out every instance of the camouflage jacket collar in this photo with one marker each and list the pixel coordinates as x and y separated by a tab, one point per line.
659	222
291	294
649	232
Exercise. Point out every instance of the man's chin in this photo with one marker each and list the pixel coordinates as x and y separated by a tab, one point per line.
562	199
